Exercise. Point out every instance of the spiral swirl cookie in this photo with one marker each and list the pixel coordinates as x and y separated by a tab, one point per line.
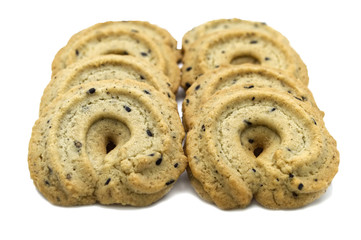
156	33
219	25
104	68
234	47
260	144
120	39
243	77
112	142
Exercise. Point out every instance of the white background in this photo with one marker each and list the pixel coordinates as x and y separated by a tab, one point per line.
326	34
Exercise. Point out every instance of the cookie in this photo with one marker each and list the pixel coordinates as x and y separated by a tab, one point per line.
219	25
260	144
104	68
158	34
112	38
112	142
245	77
235	47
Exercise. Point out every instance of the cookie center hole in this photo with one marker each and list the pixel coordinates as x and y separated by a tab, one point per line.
243	59
257	151
103	138
116	52
260	141
110	146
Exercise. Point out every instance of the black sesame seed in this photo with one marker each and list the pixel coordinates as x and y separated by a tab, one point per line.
300	186
127	108
273	109
144	54
150	134
187	101
298	98
253	98
168	95
188	85
169	182
168	84
91	91
159	161
288	149
267	59
290	175
247	122
176	165
142	77
188	69
254	170
253	42
249	87
315	179
217	66
107	182
146	92
314	121
151	155
203	128
186	41
197	87
78	144
47	183
250	140
77	52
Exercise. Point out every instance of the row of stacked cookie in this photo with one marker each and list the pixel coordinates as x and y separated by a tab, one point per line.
108	129
254	129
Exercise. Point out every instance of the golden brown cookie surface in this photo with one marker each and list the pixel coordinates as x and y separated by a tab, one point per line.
104	68
235	47
243	77
108	142
220	25
121	38
260	144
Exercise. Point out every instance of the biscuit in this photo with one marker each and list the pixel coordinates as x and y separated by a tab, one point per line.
260	144
103	68
245	77
235	47
219	25
112	142
119	39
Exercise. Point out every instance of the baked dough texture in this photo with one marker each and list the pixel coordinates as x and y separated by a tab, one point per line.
260	144
219	25
140	39
111	141
243	77
102	68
